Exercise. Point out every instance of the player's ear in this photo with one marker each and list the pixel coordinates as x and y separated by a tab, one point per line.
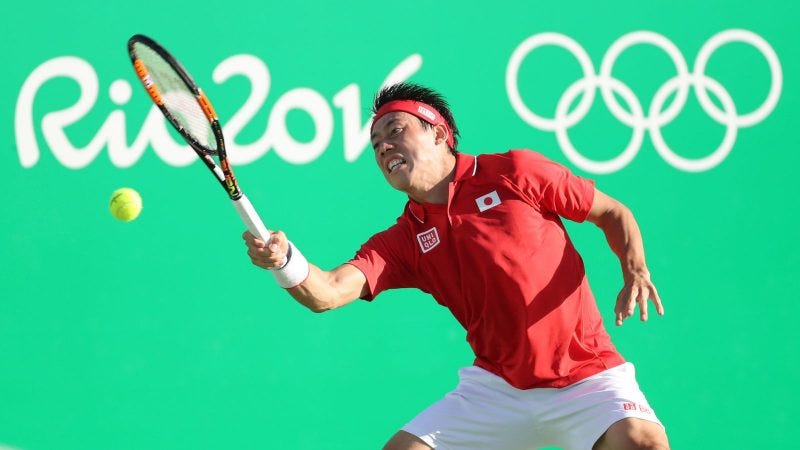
440	134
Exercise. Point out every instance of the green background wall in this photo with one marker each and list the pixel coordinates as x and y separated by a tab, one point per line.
160	334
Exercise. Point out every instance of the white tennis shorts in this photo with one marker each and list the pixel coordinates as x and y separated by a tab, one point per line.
485	412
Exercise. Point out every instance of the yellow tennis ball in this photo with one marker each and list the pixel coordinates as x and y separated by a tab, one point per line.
126	204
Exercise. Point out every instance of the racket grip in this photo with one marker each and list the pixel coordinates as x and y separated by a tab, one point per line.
253	221
251	218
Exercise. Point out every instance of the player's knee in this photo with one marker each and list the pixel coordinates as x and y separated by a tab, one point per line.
405	441
647	443
633	434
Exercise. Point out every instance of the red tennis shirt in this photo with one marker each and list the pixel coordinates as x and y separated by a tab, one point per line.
498	256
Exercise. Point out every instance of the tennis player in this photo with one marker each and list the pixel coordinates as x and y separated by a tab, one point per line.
483	235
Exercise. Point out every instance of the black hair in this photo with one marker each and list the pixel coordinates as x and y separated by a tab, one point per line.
411	91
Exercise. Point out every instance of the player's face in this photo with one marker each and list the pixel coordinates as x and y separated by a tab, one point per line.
407	153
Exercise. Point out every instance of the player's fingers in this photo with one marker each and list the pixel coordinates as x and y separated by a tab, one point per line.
252	241
628	301
257	254
265	259
255	259
657	301
278	243
273	244
628	307
269	254
642	300
623	306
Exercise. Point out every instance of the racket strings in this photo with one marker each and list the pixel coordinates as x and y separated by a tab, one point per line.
177	97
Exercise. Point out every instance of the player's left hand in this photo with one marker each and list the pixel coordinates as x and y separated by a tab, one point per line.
638	289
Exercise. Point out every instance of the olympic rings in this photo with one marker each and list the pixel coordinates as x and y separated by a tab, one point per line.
656	117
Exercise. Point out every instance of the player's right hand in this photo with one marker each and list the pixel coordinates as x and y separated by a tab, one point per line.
268	255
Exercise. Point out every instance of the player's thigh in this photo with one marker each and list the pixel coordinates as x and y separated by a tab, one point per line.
633	433
403	440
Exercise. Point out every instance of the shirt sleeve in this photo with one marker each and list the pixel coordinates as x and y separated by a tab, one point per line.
554	187
384	260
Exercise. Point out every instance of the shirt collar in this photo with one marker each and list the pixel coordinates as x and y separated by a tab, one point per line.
466	167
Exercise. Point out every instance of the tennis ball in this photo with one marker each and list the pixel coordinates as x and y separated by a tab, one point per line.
126	204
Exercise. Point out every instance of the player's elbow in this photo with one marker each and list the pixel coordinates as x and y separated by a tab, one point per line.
319	308
605	210
316	300
324	296
610	213
328	303
321	305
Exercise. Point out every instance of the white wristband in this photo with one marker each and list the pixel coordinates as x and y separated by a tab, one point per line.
295	271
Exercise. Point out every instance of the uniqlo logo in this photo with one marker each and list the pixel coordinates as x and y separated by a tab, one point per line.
630	406
487	201
428	240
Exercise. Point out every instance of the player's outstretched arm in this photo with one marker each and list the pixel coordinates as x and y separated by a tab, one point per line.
320	290
625	239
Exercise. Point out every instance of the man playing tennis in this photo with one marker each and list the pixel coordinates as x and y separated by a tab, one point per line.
483	235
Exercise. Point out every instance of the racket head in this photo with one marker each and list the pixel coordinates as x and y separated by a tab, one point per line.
175	92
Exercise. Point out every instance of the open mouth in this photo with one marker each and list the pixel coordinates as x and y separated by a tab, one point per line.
394	164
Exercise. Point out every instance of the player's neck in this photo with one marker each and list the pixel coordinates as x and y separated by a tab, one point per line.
437	189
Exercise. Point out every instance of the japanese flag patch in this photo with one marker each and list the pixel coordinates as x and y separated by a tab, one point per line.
487	201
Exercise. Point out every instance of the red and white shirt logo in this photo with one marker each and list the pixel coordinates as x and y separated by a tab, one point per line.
631	406
487	201
428	240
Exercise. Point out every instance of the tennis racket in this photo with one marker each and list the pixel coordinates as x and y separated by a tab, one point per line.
188	109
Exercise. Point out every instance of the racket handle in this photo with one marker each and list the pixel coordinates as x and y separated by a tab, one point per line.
251	218
253	221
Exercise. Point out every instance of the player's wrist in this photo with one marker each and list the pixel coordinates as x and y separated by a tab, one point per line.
294	271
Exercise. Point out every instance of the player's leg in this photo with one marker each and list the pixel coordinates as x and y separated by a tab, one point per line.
633	434
483	412
607	411
406	441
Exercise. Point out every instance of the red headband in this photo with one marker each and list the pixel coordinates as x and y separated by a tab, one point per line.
422	110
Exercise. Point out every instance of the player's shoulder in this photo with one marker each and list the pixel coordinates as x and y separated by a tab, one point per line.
525	167
513	160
